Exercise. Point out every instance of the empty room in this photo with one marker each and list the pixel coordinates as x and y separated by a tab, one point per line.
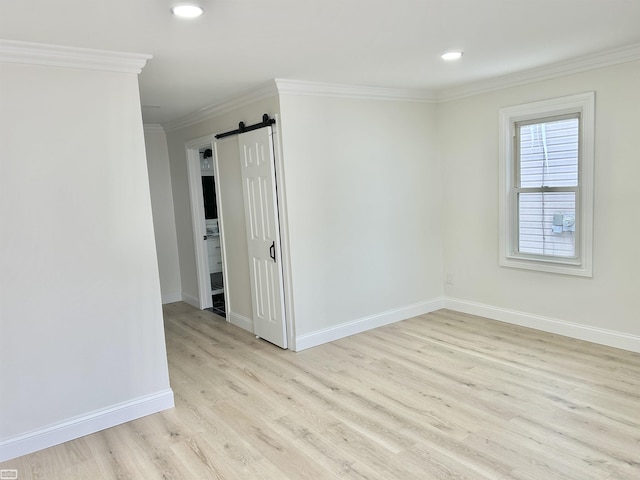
287	240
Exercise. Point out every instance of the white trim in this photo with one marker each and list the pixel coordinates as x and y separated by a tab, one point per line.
370	322
580	64
283	223
171	297
597	335
587	333
281	86
234	103
508	116
153	128
240	321
13	51
302	87
85	424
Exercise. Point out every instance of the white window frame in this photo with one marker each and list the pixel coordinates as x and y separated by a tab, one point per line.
582	263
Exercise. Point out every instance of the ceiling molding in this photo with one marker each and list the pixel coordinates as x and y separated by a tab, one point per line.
265	91
302	87
12	51
281	86
153	128
585	63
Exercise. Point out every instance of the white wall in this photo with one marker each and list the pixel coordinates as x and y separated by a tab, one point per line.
164	222
364	202
468	131
80	313
230	186
362	182
388	199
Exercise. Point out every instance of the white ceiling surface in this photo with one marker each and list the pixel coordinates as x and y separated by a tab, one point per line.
239	45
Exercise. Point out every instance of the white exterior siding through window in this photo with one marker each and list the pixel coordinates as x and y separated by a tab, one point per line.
547	181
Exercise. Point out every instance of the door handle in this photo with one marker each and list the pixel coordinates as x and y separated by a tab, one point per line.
272	251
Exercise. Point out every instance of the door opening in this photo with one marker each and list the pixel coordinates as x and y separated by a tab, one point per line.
255	281
212	229
206	231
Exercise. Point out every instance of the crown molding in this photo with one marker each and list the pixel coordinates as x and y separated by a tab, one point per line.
302	87
297	87
584	63
265	91
13	51
153	128
281	86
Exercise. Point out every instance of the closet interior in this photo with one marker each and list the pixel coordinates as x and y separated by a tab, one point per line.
213	231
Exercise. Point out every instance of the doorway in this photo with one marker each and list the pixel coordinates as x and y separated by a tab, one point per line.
236	263
201	179
212	228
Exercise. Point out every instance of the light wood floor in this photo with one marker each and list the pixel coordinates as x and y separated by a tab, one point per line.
441	396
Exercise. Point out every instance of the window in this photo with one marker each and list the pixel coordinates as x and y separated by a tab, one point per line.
546	198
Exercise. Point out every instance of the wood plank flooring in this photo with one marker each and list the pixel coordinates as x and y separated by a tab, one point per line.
440	396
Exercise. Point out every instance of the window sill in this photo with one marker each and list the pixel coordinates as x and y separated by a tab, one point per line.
549	266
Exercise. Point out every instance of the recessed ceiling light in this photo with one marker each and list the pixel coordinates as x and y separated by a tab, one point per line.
451	55
187	11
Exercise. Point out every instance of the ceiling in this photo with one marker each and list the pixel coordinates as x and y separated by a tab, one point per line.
239	45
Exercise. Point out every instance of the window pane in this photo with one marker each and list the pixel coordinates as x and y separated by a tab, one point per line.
548	153
547	223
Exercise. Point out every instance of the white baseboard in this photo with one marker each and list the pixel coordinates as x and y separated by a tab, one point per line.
602	336
85	424
240	321
171	297
330	334
191	300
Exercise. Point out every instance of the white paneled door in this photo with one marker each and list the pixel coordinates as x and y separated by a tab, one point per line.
263	234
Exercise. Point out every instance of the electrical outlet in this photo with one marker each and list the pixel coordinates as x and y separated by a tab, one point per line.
450	278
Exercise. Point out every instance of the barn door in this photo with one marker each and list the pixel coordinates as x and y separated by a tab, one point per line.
263	234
